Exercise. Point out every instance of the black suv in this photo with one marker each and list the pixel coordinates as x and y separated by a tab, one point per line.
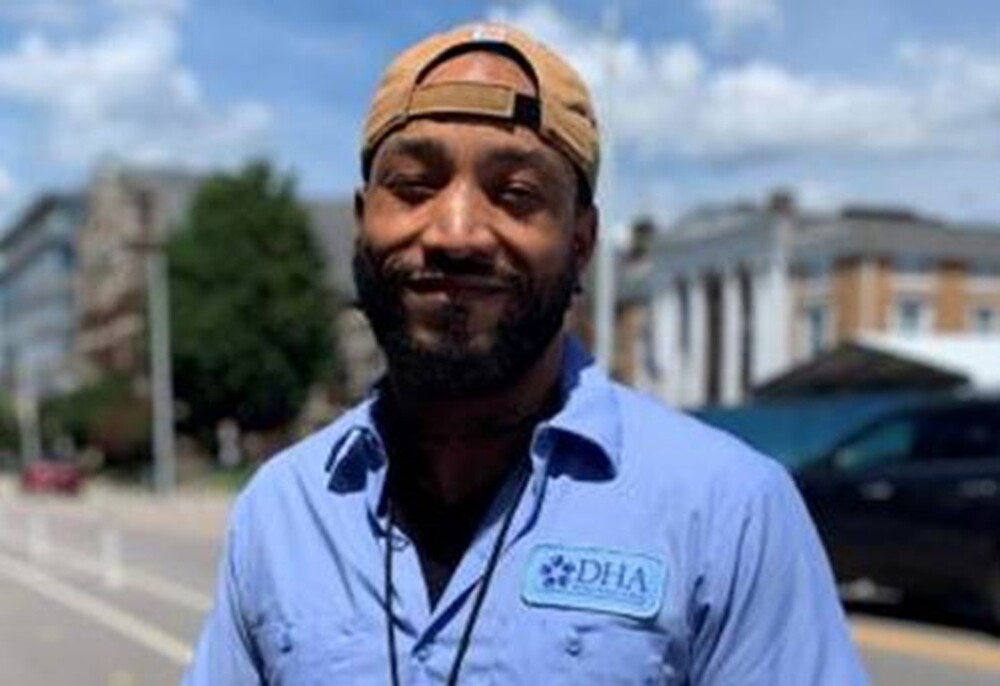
912	502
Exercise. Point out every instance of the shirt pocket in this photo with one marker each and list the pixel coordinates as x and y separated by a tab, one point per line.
316	651
610	651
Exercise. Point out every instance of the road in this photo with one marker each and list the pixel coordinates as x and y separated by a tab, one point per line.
110	590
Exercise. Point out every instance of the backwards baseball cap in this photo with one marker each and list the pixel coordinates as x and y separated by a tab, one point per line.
561	114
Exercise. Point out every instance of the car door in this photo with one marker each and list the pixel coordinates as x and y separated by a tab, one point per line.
853	497
948	500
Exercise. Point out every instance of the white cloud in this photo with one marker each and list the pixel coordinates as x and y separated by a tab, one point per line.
124	92
732	17
678	105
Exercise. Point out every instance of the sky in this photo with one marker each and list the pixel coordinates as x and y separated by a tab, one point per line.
895	102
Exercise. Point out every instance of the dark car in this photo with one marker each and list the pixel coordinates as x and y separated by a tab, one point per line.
912	502
52	476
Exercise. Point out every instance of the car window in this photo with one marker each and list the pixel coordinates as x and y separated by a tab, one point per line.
884	444
959	433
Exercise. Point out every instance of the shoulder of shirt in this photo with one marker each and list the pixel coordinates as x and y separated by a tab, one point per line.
300	465
665	444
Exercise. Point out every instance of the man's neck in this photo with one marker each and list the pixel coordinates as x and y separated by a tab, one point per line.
463	445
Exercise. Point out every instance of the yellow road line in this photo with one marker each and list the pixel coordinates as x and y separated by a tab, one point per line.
126	625
955	652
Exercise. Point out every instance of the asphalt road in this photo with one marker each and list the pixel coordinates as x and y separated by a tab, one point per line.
110	590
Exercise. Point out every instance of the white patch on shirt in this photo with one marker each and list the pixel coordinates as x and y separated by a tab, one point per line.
597	579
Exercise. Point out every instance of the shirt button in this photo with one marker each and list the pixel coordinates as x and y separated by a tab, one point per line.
574	645
423	653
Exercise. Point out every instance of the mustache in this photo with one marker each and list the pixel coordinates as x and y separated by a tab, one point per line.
444	267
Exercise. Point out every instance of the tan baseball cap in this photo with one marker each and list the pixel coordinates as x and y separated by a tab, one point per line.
562	113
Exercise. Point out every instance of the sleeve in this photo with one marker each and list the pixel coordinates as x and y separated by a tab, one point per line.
767	611
224	653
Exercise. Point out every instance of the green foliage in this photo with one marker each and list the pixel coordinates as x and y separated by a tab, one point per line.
107	415
251	317
9	439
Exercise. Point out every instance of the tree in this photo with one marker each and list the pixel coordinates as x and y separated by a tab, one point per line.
106	414
251	316
9	434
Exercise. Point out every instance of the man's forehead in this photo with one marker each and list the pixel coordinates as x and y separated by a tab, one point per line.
448	139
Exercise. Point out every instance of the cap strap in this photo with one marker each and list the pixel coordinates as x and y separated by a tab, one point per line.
475	99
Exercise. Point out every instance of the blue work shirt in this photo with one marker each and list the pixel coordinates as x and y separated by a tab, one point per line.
646	548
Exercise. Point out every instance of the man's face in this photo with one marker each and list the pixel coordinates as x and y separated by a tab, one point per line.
470	243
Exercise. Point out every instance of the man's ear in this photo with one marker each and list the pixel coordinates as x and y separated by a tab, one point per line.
584	236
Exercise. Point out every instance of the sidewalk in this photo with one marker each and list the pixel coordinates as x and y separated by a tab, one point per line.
187	513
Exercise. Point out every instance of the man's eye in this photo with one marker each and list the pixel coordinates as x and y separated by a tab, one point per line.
410	190
520	198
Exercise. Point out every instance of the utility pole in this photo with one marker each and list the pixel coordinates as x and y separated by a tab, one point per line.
604	300
161	374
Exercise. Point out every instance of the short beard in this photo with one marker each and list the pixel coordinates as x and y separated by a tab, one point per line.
451	369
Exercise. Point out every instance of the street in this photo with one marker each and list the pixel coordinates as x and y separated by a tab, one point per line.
110	589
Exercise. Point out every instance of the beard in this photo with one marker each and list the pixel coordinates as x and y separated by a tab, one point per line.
453	366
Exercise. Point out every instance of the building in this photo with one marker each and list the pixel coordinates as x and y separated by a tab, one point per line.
36	291
130	211
730	297
332	223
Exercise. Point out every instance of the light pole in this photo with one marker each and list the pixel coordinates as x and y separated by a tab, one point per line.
161	374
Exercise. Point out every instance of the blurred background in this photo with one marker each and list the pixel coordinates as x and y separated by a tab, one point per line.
801	244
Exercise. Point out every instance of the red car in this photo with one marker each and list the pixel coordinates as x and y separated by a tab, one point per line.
50	476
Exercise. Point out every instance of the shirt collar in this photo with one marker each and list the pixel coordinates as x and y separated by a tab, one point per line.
590	409
589	414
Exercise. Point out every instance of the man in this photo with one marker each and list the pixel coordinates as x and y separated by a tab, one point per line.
498	511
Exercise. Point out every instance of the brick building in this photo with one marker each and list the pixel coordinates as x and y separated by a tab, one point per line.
130	209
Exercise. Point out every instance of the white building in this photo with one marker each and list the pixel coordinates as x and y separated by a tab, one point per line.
730	297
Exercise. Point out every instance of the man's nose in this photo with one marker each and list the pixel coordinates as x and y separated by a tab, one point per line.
460	224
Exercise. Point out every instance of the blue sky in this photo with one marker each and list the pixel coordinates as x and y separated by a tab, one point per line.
891	102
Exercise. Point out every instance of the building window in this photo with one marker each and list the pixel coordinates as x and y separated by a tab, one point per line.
984	320
912	315
816	270
817	325
984	277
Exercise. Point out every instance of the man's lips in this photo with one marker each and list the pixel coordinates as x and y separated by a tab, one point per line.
457	285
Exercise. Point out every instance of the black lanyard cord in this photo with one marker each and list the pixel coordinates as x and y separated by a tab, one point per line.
484	583
390	619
